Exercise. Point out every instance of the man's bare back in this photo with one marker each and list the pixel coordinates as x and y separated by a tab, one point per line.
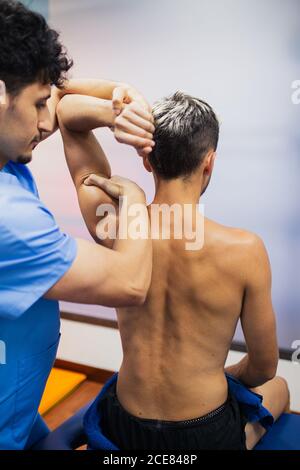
176	344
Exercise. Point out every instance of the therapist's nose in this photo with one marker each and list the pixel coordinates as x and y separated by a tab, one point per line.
44	122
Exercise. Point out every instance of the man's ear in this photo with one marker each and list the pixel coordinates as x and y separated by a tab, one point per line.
210	161
147	164
2	93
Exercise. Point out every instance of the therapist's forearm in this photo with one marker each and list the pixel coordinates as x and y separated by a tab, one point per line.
99	88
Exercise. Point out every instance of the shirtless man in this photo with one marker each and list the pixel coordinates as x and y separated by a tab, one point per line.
172	391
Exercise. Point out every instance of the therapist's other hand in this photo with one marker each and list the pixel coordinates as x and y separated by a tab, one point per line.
117	186
133	123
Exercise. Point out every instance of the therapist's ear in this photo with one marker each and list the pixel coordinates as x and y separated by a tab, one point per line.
2	93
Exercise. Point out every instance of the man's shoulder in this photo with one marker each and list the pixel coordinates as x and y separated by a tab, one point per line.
234	237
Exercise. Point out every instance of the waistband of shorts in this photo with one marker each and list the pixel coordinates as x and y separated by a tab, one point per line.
207	418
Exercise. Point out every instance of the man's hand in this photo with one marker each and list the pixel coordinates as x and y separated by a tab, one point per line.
134	127
134	120
126	95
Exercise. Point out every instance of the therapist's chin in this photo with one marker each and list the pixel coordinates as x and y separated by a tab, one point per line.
24	159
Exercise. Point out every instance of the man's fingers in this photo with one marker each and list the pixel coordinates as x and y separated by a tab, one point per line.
133	127
125	126
144	152
113	189
118	97
134	118
140	111
134	140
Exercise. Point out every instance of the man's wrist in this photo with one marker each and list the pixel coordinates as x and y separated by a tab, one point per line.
107	114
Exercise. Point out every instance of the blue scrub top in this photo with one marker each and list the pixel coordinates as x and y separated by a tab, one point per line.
34	255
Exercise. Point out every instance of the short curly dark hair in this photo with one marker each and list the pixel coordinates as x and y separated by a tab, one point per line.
30	50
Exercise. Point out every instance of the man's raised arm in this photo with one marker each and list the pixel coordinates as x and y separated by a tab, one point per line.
120	275
77	116
118	92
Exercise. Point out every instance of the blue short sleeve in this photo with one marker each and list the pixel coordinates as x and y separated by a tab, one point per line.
34	253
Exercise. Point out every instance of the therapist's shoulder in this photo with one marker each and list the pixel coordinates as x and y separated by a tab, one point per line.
20	209
30	235
25	177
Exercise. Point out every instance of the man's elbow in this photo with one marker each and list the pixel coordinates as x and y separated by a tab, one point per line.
264	376
59	110
271	368
271	372
266	373
63	111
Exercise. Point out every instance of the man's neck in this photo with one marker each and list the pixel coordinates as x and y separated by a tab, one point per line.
177	192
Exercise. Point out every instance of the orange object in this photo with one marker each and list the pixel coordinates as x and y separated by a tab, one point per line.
59	385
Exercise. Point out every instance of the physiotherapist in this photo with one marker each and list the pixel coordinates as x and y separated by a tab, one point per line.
39	264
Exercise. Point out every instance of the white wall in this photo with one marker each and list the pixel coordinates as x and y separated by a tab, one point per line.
240	55
100	347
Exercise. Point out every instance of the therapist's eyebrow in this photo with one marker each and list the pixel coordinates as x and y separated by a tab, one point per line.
43	99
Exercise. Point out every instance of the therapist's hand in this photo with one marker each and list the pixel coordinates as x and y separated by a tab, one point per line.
117	186
133	123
